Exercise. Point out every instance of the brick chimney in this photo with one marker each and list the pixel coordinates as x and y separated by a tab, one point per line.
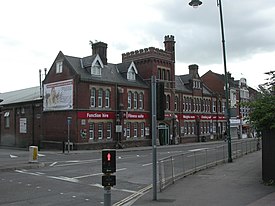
193	70
101	49
169	44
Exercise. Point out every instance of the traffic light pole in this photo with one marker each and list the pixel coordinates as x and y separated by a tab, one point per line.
154	127
107	196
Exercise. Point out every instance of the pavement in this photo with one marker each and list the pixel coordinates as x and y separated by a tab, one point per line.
238	183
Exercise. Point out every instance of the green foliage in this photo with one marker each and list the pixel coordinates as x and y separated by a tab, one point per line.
262	114
262	109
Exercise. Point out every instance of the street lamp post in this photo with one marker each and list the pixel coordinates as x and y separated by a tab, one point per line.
196	3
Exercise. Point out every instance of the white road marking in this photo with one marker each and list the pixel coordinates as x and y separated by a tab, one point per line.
96	174
13	156
144	165
29	173
41	155
67	179
89	175
78	162
196	150
54	163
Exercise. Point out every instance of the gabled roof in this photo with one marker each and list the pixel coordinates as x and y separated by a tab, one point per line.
183	80
19	96
112	73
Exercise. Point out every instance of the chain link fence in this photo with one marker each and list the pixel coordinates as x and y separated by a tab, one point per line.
178	166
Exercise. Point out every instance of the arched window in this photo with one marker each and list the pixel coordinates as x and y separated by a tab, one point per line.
135	100
129	100
107	98
100	96
141	100
168	102
93	97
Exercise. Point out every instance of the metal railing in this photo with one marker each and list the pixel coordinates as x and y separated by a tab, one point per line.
178	166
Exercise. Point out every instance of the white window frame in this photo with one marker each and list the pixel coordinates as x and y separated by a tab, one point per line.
100	98
59	67
91	131
142	129
128	130
135	129
96	69
107	98
7	119
100	131
141	100
109	130
135	100
93	97
129	100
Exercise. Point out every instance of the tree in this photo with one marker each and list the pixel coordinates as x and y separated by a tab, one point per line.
262	116
262	109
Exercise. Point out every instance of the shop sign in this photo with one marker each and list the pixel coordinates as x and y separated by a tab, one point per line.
96	115
189	117
136	115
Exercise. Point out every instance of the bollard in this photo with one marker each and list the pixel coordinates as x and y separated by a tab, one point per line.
33	154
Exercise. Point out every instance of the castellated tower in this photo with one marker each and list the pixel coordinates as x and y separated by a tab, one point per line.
153	61
169	44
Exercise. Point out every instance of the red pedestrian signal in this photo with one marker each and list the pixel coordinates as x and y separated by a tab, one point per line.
108	161
109	156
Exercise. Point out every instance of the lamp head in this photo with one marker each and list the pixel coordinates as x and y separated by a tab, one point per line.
195	3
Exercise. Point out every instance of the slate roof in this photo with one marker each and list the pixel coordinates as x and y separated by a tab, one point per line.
112	73
183	80
19	96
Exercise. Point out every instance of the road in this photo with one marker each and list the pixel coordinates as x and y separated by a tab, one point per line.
75	178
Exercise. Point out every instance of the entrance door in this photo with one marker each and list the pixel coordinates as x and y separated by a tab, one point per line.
163	134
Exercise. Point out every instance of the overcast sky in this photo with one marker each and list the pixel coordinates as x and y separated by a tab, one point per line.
34	31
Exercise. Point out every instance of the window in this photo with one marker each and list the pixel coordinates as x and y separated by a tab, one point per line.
193	128
163	74
107	98
135	100
7	119
176	103
100	131
128	129
96	69
223	107
109	130
189	104
91	130
131	75
214	105
135	129
100	96
59	66
93	97
142	126
129	100
159	73
141	101
168	75
167	102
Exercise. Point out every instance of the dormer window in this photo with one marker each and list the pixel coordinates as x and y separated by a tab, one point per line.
132	71
96	69
131	75
196	84
97	66
59	66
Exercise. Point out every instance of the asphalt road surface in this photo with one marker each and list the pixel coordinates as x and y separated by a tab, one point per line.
75	178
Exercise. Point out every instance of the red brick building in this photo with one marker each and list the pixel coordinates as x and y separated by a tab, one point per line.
97	104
